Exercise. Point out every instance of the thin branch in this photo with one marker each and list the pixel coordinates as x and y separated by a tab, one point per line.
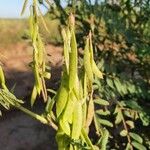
40	118
126	128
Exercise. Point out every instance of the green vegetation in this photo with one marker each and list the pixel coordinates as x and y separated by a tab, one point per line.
121	33
114	38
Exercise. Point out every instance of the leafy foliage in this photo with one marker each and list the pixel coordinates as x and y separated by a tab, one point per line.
120	32
106	100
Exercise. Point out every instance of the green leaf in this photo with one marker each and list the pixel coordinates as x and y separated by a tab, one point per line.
110	83
124	88
134	105
116	110
145	118
102	112
105	122
131	88
118	117
101	102
118	85
128	114
47	75
138	146
123	133
104	139
136	137
130	123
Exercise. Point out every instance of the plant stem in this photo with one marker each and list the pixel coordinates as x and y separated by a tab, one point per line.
126	128
37	117
32	114
86	138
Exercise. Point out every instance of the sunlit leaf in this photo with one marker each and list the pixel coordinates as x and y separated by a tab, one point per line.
123	133
145	118
101	102
105	122
118	117
136	137
130	123
110	83
138	146
103	112
104	139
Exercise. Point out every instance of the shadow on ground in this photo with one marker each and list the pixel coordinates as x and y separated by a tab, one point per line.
17	130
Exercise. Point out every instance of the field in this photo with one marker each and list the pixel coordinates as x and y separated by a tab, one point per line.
15	55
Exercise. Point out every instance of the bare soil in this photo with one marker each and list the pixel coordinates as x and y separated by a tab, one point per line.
17	130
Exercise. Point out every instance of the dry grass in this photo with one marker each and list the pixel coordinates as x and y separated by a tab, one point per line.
13	31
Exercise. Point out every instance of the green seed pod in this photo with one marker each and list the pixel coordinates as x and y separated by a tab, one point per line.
81	89
91	47
77	121
66	39
87	62
38	82
73	61
41	52
96	71
34	95
84	112
61	97
65	126
69	106
61	100
76	87
90	112
85	92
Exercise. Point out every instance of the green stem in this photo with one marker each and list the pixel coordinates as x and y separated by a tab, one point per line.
32	114
86	138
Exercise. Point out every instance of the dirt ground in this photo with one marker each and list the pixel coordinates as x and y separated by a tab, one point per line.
17	130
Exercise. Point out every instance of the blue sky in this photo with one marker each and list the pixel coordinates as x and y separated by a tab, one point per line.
12	8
